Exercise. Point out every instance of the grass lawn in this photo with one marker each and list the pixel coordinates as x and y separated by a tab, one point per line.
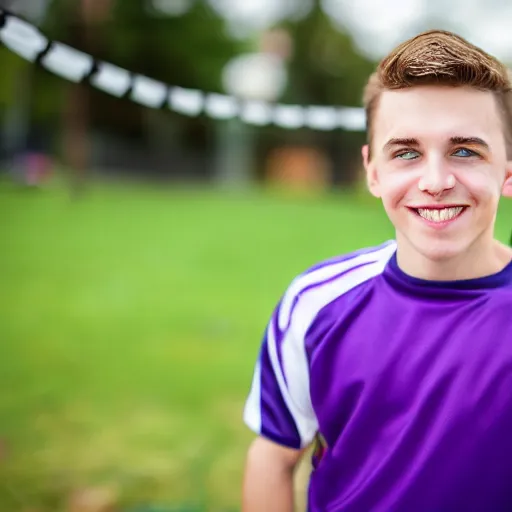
130	320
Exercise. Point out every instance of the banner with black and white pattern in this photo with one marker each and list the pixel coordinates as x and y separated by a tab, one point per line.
27	41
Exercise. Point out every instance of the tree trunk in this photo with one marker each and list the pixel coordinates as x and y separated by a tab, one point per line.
86	14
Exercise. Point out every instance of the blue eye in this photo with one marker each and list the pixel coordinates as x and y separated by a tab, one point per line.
408	155
464	153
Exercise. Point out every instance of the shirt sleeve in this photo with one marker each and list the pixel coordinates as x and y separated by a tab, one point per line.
279	406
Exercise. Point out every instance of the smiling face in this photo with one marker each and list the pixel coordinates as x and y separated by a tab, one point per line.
439	164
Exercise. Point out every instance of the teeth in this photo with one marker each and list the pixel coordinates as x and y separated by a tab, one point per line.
436	215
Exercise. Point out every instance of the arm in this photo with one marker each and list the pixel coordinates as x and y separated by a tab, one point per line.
279	410
268	480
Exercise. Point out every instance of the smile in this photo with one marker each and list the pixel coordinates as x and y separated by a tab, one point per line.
439	214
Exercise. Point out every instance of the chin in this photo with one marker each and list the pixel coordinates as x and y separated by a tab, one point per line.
440	254
440	250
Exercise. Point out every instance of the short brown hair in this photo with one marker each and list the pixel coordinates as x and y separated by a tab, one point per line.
444	58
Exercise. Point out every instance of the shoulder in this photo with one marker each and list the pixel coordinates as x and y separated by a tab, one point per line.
325	281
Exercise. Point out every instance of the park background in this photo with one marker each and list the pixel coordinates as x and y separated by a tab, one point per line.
143	249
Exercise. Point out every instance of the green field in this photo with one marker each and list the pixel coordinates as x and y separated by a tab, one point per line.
130	322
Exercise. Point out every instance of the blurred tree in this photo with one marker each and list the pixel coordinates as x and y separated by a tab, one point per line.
87	33
188	50
327	69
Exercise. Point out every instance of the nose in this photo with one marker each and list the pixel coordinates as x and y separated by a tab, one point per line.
436	178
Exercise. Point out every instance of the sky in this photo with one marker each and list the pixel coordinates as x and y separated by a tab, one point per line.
377	25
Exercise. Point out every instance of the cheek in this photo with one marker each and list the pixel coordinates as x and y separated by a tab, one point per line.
395	187
482	187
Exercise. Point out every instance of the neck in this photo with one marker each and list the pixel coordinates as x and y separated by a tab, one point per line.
481	260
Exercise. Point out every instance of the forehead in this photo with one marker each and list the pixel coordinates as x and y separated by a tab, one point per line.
431	113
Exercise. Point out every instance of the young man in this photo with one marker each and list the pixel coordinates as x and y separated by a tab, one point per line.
398	358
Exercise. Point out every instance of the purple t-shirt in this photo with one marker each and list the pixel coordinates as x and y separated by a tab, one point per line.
407	382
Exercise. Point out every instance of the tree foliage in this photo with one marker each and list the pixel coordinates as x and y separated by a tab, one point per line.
326	68
188	50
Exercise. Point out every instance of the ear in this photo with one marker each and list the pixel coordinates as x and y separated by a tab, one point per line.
507	186
372	178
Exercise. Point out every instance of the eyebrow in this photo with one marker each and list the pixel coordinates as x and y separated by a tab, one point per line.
411	142
401	142
475	141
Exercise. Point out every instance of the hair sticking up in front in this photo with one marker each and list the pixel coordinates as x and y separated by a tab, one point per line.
445	58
